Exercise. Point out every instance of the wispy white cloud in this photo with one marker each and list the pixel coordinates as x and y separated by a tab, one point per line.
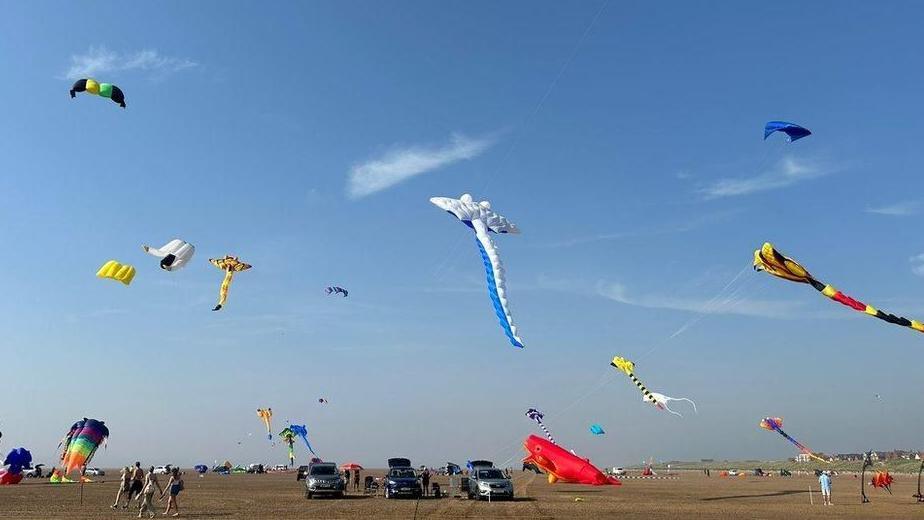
730	304
689	224
787	172
100	60
898	209
401	164
917	264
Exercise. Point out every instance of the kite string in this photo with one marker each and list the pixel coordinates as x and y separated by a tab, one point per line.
714	304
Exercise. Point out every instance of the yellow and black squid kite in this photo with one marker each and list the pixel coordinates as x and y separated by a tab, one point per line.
772	261
230	265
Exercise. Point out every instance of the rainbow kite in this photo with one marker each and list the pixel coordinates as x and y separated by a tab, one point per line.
775	424
81	443
772	261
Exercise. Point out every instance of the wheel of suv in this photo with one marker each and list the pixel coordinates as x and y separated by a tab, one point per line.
308	495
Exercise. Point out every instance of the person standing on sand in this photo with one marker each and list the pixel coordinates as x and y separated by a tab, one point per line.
147	493
824	480
174	486
425	477
356	479
124	485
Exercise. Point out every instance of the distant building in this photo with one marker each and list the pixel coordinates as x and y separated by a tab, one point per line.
803	457
849	457
706	460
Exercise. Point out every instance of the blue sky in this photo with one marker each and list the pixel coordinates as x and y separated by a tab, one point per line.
626	144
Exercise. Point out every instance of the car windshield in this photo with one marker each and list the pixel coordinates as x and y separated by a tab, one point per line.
490	473
403	473
323	470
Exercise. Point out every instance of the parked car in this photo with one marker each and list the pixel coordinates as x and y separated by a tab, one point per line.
280	467
95	472
221	470
324	479
401	479
256	468
301	473
162	470
34	472
486	481
618	471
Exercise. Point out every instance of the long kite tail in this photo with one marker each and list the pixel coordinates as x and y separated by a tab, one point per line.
546	432
804	449
645	392
771	261
223	291
857	305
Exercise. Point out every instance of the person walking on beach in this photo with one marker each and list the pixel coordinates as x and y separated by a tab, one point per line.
356	479
346	478
147	493
137	482
174	486
824	480
124	485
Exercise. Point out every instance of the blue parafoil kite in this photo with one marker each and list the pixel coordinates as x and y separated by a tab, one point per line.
481	219
596	429
794	131
302	431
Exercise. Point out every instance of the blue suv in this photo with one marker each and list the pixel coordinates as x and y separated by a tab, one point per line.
401	479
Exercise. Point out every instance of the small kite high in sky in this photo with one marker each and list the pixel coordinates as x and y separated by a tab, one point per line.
115	271
174	254
266	415
337	290
775	424
230	265
771	261
793	131
105	90
596	429
483	220
659	400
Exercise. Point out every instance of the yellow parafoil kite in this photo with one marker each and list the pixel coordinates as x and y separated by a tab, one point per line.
230	265
114	270
266	415
769	260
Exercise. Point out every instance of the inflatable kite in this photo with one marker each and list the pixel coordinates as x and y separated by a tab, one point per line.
659	400
775	424
266	415
882	479
115	271
230	265
596	429
337	290
302	431
483	221
106	90
537	416
322	400
773	262
15	461
174	254
80	444
793	131
563	466
288	437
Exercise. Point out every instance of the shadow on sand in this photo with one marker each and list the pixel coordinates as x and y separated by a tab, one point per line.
777	494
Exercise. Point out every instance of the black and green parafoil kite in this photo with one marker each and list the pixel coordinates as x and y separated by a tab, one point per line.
106	90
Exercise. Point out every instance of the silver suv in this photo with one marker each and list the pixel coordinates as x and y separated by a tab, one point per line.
323	479
489	482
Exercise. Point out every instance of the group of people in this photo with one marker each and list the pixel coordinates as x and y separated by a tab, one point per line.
356	475
135	484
